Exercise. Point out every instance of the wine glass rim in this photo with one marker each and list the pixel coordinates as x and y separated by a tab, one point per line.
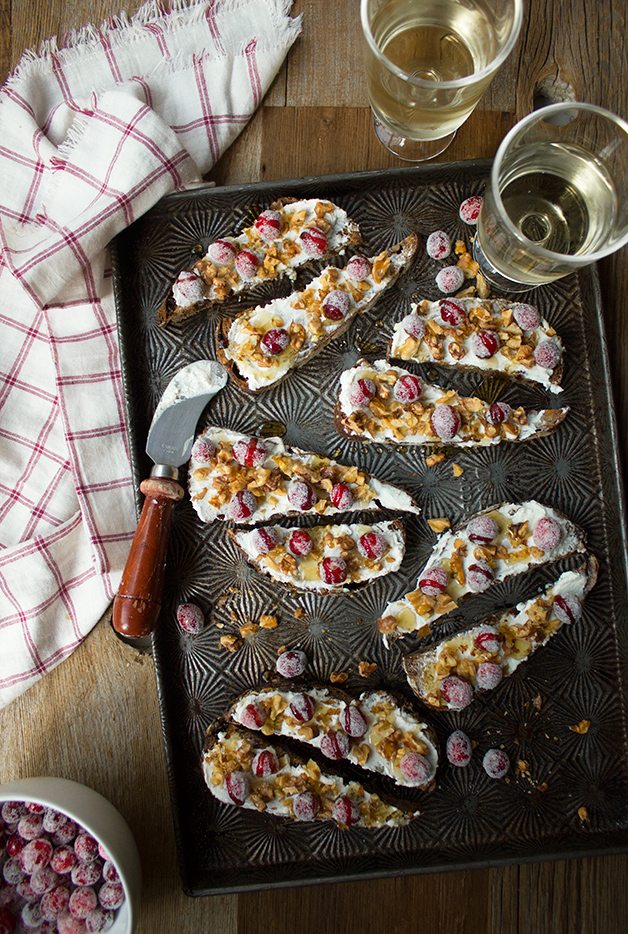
456	83
568	259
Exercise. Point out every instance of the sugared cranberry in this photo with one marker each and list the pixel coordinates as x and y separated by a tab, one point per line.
371	545
445	421
414	325
458	749
484	344
482	529
31	916
246	264
44	879
109	872
55	902
496	763
415	768
547	354
434	581
336	305
102	852
335	745
189	287
190	618
65	832
68	924
222	252
314	242
306	805
456	692
352	721
526	316
407	388
249	452
345	811
241	506
12	811
452	313
488	676
488	641
268	225
237	785
86	873
264	763
15	845
35	808
253	716
469	210
111	894
332	570
358	268
300	542
30	826
275	341
263	541
35	855
567	608
24	889
449	279
547	533
362	391
12	872
291	664
301	495
438	245
498	412
86	847
480	575
63	859
98	920
341	496
302	707
52	820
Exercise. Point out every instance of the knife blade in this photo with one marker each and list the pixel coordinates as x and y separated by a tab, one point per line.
137	603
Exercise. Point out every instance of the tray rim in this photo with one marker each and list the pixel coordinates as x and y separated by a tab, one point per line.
592	273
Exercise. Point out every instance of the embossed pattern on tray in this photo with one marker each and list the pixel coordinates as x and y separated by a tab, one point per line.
581	674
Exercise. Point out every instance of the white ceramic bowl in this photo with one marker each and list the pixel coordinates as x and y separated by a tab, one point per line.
99	817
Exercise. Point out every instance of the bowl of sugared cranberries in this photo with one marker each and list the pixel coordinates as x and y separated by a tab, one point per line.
68	861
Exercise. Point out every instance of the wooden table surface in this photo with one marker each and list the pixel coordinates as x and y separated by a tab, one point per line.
95	718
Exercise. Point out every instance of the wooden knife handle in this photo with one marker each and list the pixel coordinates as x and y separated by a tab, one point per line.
138	601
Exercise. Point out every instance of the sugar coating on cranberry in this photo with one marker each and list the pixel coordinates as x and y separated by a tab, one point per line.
438	245
484	344
253	716
109	872
547	533
102	852
498	412
567	608
12	811
335	745
189	287
68	924
480	575
52	820
314	242
35	808
302	707
12	871
445	421
55	902
249	452
526	316
291	664
489	641
414	325
358	268
222	252
98	920
301	495
241	506
24	889
332	570
275	341
268	225
86	847
306	805
111	894
371	545
434	581
352	721
45	879
246	264
482	529
82	900
237	785
190	618
345	811
31	916
488	676
407	388
65	832
449	279
335	305
341	496
30	826
452	313
469	210
263	541
415	768
458	749
86	873
63	859
264	763
496	763
35	855
300	543
547	354
456	692
362	391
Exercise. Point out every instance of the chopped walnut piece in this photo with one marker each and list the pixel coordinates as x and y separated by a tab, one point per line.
338	677
583	814
366	668
299	613
248	630
268	622
439	525
582	727
231	643
457	470
387	624
434	459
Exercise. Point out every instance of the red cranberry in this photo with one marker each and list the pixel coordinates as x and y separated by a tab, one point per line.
35	855
480	575
12	811
407	388
44	879
25	889
434	581
98	920
30	826
459	749
362	391
268	225
302	707
488	676
306	805
291	664
15	845
314	242
567	608
52	820
63	859
55	902
111	894
438	245
249	452
547	533
371	545
526	316
12	872
484	344
86	873
547	354
35	808
242	506
31	916
445	421
482	530
452	313
345	811
332	570
301	495
86	847
275	341
68	924
246	264
189	287
300	543
358	268
498	412
103	853
488	641
415	768
449	279
263	540
190	618
264	763
109	872
341	496
237	785
469	210
335	745
456	692
414	325
352	721
65	832
253	716
496	763
335	305
222	252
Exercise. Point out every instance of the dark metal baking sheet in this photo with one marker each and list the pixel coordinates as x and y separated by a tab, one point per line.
470	820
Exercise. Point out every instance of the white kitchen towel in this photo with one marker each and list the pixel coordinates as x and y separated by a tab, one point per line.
94	129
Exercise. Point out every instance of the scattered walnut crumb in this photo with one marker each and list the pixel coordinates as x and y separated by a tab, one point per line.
542	787
582	727
523	768
268	622
457	470
220	625
366	668
537	702
248	630
338	677
439	525
231	643
583	814
434	459
282	649
299	613
460	247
